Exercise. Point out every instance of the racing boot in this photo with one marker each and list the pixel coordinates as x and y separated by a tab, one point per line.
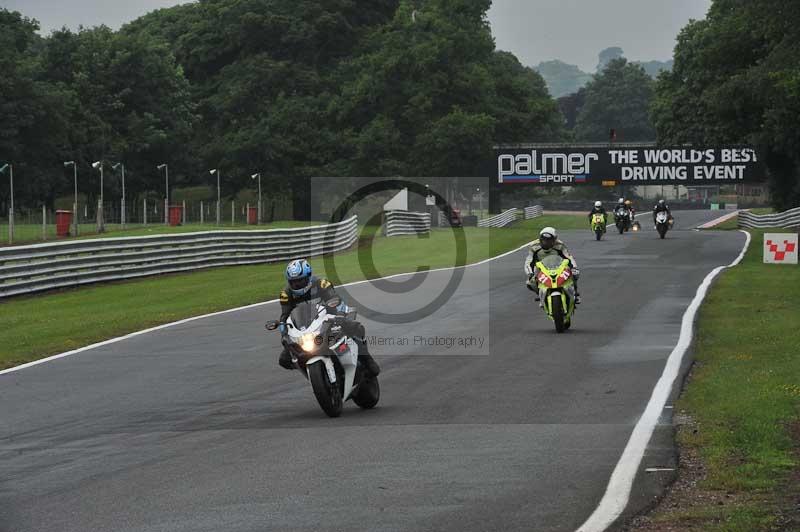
366	359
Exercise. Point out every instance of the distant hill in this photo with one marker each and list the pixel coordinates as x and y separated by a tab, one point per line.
563	78
654	67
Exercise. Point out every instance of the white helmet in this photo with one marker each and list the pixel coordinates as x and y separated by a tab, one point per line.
598	204
621	201
547	237
548	232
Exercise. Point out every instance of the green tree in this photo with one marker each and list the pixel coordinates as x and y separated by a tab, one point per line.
617	98
33	121
736	80
130	102
432	70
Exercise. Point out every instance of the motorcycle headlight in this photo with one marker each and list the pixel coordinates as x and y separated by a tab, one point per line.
307	342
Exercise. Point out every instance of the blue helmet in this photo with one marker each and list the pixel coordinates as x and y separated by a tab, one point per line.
298	274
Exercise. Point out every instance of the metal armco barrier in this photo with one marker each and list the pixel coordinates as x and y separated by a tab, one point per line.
501	220
407	223
28	269
533	212
790	218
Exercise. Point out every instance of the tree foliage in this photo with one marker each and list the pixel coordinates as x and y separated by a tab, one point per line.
288	88
736	80
618	98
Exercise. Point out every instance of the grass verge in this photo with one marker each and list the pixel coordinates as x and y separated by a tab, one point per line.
32	234
37	326
743	399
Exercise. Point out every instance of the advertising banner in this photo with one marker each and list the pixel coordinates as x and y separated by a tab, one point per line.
607	166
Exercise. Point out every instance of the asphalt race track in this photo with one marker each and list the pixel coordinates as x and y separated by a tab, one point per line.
196	428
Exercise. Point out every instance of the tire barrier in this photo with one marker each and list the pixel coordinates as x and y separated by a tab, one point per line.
400	223
790	218
500	220
533	212
39	267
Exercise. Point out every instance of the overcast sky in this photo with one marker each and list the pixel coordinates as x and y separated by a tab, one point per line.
535	30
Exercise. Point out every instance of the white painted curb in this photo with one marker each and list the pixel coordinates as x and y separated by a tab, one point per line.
721	219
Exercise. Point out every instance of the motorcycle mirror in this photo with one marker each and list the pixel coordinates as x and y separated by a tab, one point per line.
272	325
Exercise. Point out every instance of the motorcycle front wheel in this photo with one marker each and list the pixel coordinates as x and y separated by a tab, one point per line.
598	233
328	394
558	314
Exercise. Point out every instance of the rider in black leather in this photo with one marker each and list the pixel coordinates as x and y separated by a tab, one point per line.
304	286
661	206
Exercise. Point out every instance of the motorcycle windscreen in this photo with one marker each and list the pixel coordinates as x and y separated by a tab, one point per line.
552	262
304	314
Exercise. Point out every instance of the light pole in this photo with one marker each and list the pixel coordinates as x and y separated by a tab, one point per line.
67	164
258	175
101	224
165	167
217	172
11	207
122	216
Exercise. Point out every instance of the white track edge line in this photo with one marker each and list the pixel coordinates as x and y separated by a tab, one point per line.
237	309
618	491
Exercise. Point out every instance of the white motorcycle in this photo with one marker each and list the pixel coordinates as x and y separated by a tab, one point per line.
663	223
327	357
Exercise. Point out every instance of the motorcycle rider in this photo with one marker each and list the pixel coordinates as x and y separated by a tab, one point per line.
547	244
599	209
661	206
304	286
621	205
631	210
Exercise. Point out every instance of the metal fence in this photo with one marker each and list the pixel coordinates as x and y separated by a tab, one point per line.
407	223
36	225
28	269
500	220
533	212
790	218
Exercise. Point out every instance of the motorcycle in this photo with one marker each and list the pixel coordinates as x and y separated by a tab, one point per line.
556	286
327	357
664	223
622	220
598	225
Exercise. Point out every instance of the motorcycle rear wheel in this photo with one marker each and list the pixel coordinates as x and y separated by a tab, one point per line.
328	394
369	393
